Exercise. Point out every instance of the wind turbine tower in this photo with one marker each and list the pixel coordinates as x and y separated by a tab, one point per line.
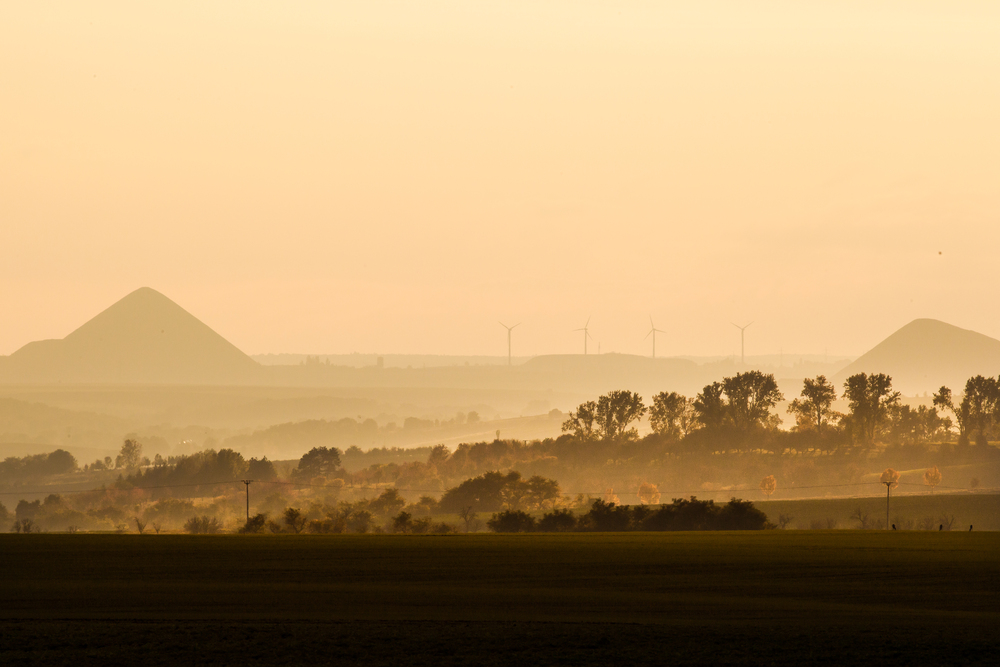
653	331
742	341
509	329
586	334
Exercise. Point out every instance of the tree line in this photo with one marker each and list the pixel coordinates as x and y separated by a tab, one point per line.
681	514
739	409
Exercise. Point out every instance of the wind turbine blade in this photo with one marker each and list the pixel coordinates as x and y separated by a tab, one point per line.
516	326
648	334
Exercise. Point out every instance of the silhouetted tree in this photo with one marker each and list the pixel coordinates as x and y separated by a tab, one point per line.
616	411
202	525
402	523
389	502
870	399
557	521
742	515
710	407
671	415
980	405
254	524
582	422
865	521
261	470
511	521
318	462
493	491
294	520
751	397
607	517
130	455
943	400
911	426
469	517
814	409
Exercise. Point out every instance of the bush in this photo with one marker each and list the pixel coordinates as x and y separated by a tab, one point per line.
607	517
255	524
202	525
557	521
511	521
742	515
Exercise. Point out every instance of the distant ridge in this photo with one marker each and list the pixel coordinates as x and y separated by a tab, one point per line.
926	354
145	338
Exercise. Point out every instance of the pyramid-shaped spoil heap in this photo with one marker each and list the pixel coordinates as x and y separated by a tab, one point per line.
926	354
145	338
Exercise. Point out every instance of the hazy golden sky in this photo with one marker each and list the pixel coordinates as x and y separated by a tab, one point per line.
397	176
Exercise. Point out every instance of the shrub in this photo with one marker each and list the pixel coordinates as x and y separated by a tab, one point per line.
255	524
511	521
557	521
202	525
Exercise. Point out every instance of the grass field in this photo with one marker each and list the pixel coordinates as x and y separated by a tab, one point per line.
771	597
981	510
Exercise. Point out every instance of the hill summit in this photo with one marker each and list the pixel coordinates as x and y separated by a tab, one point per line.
145	338
926	354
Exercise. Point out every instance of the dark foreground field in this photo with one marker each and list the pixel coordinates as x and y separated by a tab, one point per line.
772	597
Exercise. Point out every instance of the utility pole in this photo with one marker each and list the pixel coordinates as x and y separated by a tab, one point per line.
248	482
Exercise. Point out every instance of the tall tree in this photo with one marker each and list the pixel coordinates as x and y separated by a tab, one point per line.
130	455
616	411
582	422
710	407
870	399
318	462
671	414
943	400
814	409
980	406
751	396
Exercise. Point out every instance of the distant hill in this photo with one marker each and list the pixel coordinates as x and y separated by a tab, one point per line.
145	338
926	354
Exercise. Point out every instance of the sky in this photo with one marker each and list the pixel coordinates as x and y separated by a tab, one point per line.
397	177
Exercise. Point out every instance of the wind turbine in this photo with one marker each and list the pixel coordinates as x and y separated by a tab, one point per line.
509	329
742	347
586	335
653	331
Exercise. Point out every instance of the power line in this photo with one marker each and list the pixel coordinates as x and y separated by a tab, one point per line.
375	487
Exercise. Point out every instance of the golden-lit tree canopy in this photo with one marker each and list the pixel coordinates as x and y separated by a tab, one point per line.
649	494
932	477
890	478
768	485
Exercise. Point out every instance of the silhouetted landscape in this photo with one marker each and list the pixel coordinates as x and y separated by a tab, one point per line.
499	332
